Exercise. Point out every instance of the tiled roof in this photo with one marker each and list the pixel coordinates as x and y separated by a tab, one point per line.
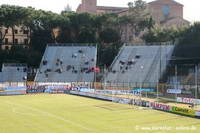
111	8
165	1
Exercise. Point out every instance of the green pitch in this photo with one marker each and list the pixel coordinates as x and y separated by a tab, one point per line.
72	114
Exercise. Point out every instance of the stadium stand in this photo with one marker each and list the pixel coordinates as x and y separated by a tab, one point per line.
67	63
139	64
12	72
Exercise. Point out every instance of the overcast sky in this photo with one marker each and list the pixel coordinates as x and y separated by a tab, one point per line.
191	7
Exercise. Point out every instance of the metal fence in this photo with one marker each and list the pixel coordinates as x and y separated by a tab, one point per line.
161	90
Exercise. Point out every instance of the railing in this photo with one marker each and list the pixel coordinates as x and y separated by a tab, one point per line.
149	44
41	64
82	61
168	58
132	54
114	61
186	90
72	44
153	65
14	65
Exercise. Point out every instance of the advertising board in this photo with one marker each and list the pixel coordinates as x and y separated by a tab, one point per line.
56	88
174	91
159	106
184	111
13	90
188	100
121	100
144	89
35	90
13	93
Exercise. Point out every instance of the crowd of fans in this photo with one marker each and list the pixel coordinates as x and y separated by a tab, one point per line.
74	68
124	66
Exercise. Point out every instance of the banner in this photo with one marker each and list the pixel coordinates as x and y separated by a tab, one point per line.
183	111
13	93
187	92
122	100
13	90
35	90
144	89
160	106
56	89
188	100
174	91
87	89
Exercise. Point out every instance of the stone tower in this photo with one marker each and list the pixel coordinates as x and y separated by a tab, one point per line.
89	6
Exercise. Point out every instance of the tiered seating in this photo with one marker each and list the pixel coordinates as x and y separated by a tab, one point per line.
160	63
136	64
67	64
13	73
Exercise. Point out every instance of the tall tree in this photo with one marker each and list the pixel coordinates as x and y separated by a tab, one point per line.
138	17
162	34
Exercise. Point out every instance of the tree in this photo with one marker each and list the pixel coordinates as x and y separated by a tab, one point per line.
68	27
107	54
47	27
2	35
191	35
162	34
109	36
138	18
80	28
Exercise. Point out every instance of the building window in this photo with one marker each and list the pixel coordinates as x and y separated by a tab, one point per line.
26	32
16	31
166	10
6	40
6	31
16	41
25	41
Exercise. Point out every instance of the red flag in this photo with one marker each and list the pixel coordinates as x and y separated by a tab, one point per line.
95	69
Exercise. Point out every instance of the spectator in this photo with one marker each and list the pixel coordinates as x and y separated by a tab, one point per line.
74	55
80	51
44	62
69	67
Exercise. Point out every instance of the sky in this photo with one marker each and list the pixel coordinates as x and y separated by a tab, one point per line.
191	7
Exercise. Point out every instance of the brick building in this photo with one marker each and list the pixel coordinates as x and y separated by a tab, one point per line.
167	13
164	12
90	6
